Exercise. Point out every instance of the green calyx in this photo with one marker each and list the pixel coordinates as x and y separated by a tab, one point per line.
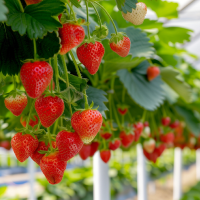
80	22
91	40
122	106
14	93
117	37
100	31
33	60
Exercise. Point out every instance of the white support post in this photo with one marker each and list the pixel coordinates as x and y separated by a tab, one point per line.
177	185
198	164
31	170
101	181
141	174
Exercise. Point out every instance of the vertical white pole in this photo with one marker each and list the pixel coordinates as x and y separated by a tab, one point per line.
31	170
177	185
141	174
198	164
101	181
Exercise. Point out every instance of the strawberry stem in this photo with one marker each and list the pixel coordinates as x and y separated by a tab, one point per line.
39	124
144	116
79	75
55	126
88	26
99	18
51	79
35	49
150	62
107	15
30	112
56	72
123	98
49	136
71	10
20	5
14	82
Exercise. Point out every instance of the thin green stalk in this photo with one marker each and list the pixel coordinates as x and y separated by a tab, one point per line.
49	136
144	116
56	73
55	126
39	124
35	49
99	18
116	116
71	10
29	116
14	82
20	5
87	11
51	79
150	62
110	110
123	99
107	15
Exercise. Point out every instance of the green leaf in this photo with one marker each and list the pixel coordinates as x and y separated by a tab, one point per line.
147	94
36	20
191	120
126	5
172	77
3	11
2	190
75	3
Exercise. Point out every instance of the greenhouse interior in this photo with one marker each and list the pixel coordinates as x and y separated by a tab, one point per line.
99	100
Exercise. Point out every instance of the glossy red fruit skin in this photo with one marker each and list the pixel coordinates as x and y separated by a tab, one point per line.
36	156
87	124
113	145
31	123
49	109
166	121
122	112
71	36
105	155
175	124
106	135
16	105
94	147
138	130
53	168
84	153
122	48
69	144
167	138
152	72
6	145
36	77
90	55
146	124
29	2
126	139
24	145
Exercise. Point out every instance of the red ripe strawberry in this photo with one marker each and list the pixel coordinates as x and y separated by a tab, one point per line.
90	55
126	139
29	2
36	156
16	104
152	72
69	144
6	145
87	124
106	135
165	121
49	109
113	145
24	145
85	151
160	149
138	130
94	147
149	145
36	77
71	35
121	47
168	138
174	124
105	155
146	124
31	122
122	111
53	168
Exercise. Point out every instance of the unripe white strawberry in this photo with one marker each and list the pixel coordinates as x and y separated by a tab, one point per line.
149	145
137	15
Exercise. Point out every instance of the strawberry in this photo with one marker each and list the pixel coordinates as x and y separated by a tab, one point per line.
146	124
106	135
115	144
36	156
138	130
90	55
137	15
167	138
87	124
94	147
152	72
16	104
36	77
24	145
6	145
31	122
105	155
71	35
49	109
53	168
126	139
122	111
29	2
175	124
165	121
149	145
69	144
120	44
85	151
